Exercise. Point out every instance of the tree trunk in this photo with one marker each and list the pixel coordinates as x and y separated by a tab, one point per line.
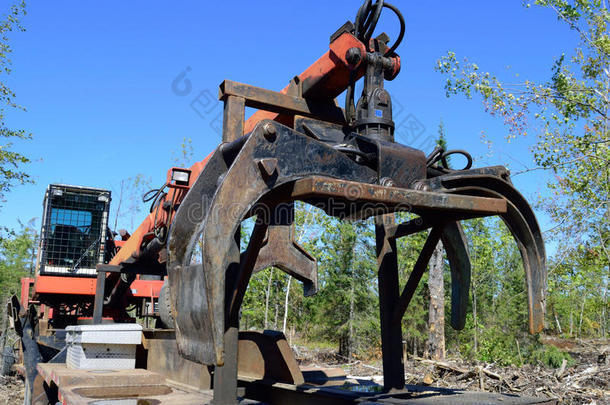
436	314
286	304
350	336
267	296
474	319
118	208
4	332
582	312
603	321
557	322
343	345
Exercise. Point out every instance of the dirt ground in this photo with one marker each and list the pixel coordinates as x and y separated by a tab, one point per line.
586	382
11	390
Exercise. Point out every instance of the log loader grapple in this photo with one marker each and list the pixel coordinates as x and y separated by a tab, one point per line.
302	146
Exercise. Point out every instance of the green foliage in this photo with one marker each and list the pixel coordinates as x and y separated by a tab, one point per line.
347	297
499	348
344	312
442	142
550	356
185	156
496	325
415	320
576	304
17	257
577	88
11	162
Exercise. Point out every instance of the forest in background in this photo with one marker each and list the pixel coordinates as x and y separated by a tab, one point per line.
570	112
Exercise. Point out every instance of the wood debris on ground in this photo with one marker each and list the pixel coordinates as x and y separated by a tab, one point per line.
586	382
11	390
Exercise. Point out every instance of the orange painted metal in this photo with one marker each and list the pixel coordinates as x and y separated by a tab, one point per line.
146	288
159	217
326	78
64	285
26	282
86	286
172	183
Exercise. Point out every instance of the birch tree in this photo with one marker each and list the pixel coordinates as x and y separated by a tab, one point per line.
568	114
11	162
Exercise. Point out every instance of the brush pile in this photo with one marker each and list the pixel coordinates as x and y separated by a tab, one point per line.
587	381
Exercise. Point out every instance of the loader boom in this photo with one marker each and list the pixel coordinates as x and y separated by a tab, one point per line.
324	80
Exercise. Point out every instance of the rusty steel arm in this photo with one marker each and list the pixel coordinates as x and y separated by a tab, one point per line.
304	150
323	80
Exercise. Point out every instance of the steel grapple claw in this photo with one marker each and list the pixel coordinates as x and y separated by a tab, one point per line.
262	171
519	218
301	146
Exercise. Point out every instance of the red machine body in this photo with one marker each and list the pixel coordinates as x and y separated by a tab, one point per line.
74	240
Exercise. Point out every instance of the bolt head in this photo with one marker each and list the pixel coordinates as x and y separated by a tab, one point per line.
353	56
269	131
421	186
383	97
387	182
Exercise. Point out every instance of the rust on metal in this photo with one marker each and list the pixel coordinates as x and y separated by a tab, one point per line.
416	274
267	356
400	198
267	100
387	281
233	118
282	251
86	387
162	357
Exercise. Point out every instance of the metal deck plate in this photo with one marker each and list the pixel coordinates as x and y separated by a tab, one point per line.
87	387
411	395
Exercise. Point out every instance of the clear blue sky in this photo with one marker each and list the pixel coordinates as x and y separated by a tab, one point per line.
96	78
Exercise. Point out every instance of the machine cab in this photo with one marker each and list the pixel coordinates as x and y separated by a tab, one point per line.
73	232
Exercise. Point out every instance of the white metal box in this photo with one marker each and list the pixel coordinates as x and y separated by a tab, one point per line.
103	347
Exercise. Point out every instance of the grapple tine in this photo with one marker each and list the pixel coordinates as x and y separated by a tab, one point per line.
494	181
454	243
495	178
528	237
